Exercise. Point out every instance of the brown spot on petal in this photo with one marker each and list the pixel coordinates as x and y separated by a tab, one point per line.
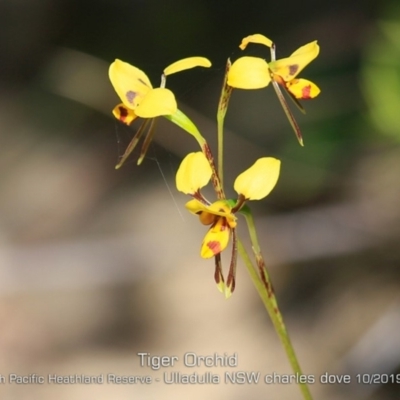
293	69
130	96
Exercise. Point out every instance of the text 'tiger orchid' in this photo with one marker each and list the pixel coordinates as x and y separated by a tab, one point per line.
253	184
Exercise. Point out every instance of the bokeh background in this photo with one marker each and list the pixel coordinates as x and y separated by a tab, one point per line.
97	265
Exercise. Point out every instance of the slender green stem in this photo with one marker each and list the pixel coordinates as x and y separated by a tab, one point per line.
271	305
260	278
263	284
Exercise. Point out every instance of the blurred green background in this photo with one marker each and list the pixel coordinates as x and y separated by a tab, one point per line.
97	265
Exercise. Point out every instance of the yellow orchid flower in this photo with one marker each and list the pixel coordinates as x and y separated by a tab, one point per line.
253	184
140	99
285	70
219	216
255	73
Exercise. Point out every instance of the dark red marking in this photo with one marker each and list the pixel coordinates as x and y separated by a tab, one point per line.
306	92
123	114
214	246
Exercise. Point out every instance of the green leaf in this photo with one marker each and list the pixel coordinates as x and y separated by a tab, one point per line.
180	119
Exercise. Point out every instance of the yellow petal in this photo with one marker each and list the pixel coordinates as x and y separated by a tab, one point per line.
216	239
256	38
257	182
288	68
303	89
130	83
249	73
187	63
124	114
193	173
157	102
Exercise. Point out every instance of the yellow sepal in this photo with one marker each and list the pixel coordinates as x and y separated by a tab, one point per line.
256	38
193	173
303	89
249	73
130	83
257	182
187	63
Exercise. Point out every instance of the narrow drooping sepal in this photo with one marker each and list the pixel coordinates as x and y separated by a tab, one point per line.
288	113
218	275
133	143
231	279
147	141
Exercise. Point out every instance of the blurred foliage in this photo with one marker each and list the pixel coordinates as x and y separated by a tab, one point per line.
381	73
